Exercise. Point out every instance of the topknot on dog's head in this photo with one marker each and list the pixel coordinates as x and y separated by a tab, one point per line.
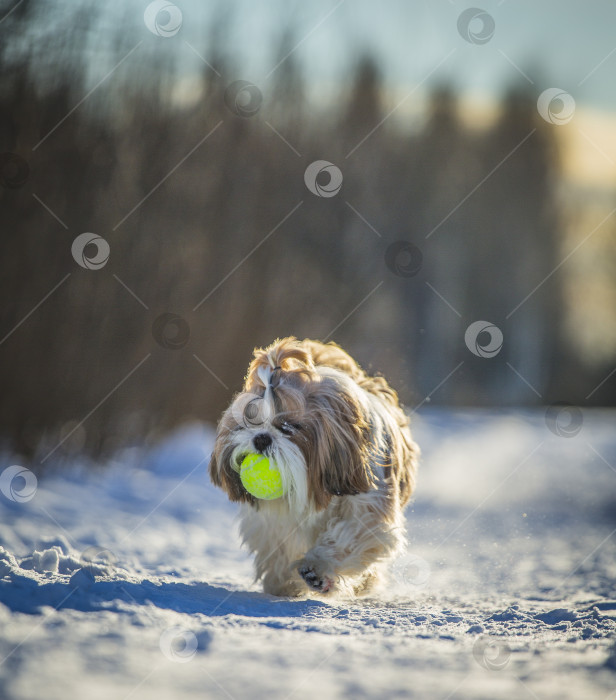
286	355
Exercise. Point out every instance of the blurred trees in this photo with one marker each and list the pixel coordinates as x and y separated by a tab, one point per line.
208	218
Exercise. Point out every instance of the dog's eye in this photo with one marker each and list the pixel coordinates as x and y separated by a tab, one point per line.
287	428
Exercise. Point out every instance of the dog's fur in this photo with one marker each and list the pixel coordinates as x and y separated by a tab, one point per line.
347	461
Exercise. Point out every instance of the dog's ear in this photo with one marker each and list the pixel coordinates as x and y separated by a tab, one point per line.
338	464
225	477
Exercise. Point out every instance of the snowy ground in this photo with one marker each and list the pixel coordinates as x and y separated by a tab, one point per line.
508	590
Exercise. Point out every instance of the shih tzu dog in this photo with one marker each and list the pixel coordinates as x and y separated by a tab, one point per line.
347	463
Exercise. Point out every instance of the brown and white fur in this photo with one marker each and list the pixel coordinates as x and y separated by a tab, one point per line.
347	460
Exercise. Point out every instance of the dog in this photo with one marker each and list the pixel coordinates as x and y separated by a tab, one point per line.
347	460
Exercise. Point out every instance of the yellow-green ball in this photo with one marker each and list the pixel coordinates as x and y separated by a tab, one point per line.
260	478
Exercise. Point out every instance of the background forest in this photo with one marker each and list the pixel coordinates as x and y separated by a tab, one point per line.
216	244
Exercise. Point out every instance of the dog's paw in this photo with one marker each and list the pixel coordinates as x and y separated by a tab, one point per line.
315	580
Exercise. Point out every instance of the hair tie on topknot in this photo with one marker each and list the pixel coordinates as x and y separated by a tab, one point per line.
287	355
265	375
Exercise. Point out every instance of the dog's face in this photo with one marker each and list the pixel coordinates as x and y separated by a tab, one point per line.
310	420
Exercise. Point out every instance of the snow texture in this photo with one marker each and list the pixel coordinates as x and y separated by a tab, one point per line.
128	580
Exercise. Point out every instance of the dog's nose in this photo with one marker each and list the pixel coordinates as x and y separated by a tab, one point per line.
261	441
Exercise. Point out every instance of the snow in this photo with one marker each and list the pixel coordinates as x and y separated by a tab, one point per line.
127	580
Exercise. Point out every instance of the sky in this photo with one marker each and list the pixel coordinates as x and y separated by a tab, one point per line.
559	43
538	44
569	44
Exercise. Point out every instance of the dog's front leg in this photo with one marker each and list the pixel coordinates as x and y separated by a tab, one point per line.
274	553
278	574
348	548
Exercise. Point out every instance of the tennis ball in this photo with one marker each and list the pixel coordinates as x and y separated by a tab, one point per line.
260	478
